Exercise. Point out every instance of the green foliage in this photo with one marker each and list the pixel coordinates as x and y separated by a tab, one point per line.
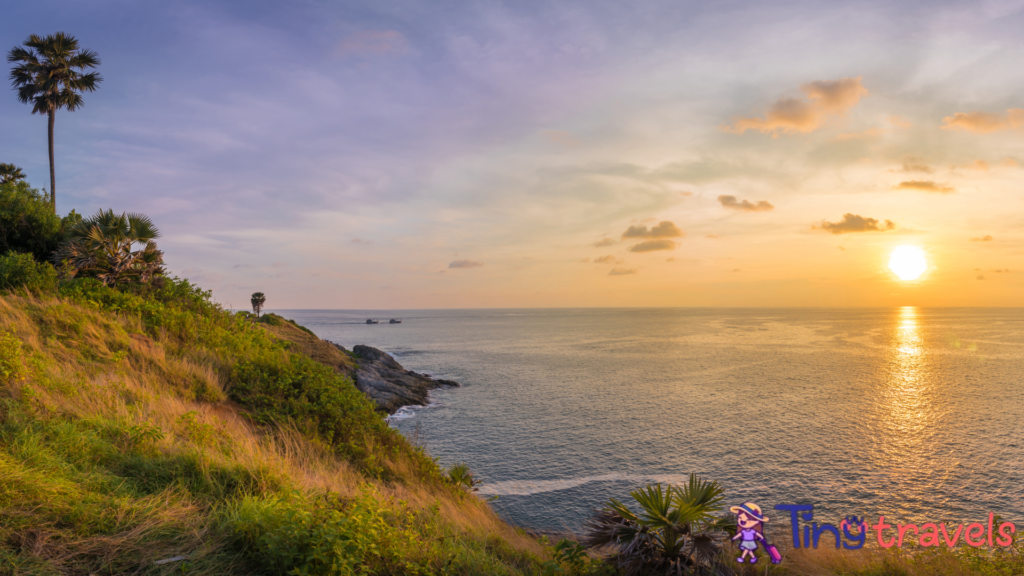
10	173
460	475
282	388
675	531
101	247
22	271
327	536
12	362
49	72
27	221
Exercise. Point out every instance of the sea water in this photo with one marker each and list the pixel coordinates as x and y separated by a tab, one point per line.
909	412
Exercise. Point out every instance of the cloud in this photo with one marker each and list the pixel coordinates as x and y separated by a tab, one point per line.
924	186
1002	270
869	133
900	122
603	243
979	277
652	245
465	264
985	238
824	98
609	259
854	223
585	260
985	121
1009	163
622	271
372	42
360	241
664	229
744	205
712	236
916	165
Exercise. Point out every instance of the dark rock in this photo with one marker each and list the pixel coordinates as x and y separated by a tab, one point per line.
390	385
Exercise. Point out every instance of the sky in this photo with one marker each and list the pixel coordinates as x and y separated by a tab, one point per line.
394	154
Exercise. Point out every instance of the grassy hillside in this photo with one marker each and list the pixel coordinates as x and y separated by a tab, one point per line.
140	428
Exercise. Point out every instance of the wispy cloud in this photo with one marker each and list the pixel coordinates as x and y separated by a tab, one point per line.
609	259
603	243
744	205
465	264
854	223
985	121
925	186
622	271
985	238
823	98
372	42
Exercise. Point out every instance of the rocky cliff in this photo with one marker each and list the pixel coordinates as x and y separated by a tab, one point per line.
388	384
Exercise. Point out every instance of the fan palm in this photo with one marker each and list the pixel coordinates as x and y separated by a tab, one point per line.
10	173
101	247
257	300
675	532
50	75
460	475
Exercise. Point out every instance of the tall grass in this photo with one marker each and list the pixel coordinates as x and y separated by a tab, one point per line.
140	427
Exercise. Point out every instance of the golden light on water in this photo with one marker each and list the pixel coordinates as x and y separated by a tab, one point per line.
908	262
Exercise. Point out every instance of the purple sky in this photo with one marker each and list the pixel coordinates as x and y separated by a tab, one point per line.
448	154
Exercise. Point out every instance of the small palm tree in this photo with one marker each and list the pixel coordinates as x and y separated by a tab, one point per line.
10	173
257	301
101	247
675	531
49	75
460	475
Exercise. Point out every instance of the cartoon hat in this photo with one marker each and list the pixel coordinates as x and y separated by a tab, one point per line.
750	509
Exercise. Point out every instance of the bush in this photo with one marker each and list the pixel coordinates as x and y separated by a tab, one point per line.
329	536
27	221
22	271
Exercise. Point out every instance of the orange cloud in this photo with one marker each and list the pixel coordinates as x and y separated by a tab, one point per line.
652	245
985	238
465	264
664	229
622	271
854	223
603	243
985	121
744	205
824	98
924	186
609	259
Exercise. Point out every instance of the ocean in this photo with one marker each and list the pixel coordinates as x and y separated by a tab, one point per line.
913	413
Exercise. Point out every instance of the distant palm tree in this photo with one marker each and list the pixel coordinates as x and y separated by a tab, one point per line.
101	246
10	173
257	301
49	76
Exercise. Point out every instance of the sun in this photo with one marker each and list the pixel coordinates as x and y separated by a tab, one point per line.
908	262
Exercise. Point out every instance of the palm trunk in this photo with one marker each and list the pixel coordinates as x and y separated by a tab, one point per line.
53	176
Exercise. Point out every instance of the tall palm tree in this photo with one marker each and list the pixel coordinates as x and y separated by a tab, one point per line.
50	75
10	173
257	301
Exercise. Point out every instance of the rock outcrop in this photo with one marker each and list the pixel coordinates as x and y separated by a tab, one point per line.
388	384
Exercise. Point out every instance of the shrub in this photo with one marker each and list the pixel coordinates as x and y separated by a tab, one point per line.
22	271
27	221
329	536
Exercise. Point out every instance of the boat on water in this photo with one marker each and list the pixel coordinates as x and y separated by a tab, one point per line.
395	321
372	321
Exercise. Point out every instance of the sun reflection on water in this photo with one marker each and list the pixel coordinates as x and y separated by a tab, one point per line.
905	416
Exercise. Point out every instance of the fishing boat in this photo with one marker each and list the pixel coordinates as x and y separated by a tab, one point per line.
395	321
372	321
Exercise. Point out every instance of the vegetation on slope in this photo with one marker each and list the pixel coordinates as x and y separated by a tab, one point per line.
135	428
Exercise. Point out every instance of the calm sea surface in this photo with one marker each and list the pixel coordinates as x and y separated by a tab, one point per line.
909	412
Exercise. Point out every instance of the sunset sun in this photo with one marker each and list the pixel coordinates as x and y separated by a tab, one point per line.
908	262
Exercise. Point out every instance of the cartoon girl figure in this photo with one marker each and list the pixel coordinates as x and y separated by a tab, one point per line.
750	529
